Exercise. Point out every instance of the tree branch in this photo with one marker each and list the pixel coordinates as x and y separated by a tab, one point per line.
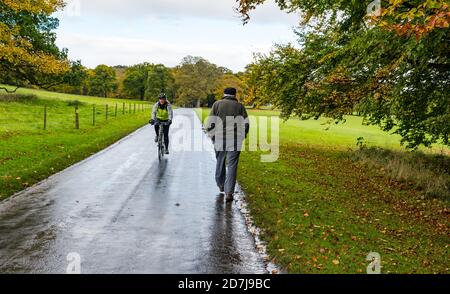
9	91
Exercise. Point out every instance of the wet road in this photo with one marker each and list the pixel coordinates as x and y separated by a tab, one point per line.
123	211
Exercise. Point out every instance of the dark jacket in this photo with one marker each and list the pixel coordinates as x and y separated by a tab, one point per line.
228	107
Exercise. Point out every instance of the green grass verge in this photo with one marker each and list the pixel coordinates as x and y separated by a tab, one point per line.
29	154
323	210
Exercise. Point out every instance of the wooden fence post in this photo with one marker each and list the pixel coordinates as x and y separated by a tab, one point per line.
123	108
115	113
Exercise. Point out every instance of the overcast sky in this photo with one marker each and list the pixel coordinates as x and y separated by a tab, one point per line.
122	32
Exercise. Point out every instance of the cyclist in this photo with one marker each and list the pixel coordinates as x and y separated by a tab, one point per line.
162	112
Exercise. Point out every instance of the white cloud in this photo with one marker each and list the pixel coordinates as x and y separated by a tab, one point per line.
171	9
117	32
94	50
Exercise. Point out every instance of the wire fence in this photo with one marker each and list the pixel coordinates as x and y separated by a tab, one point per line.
57	117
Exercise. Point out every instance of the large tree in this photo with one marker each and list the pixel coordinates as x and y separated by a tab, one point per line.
229	80
135	82
160	80
148	80
73	80
102	80
196	79
28	53
392	66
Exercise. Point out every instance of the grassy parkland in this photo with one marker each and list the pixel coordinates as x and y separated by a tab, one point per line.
43	132
327	203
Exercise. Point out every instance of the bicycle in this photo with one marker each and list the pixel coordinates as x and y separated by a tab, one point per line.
161	142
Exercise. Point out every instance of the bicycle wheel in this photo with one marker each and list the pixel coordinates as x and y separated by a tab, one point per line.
159	154
160	146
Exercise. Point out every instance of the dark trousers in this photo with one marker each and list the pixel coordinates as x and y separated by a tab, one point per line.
226	159
166	134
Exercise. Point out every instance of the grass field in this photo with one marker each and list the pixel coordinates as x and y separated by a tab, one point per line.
325	205
47	95
28	153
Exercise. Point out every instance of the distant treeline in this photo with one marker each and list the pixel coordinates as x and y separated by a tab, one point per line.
194	82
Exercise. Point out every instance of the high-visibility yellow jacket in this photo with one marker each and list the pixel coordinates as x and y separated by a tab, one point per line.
162	112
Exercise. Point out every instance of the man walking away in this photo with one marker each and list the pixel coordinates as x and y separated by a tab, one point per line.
228	126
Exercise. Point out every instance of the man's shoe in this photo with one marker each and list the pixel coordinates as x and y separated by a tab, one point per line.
230	197
167	152
156	139
222	190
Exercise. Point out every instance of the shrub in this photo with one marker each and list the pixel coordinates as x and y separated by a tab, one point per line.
428	172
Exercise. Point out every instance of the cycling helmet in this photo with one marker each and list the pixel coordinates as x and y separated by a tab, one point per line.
162	96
